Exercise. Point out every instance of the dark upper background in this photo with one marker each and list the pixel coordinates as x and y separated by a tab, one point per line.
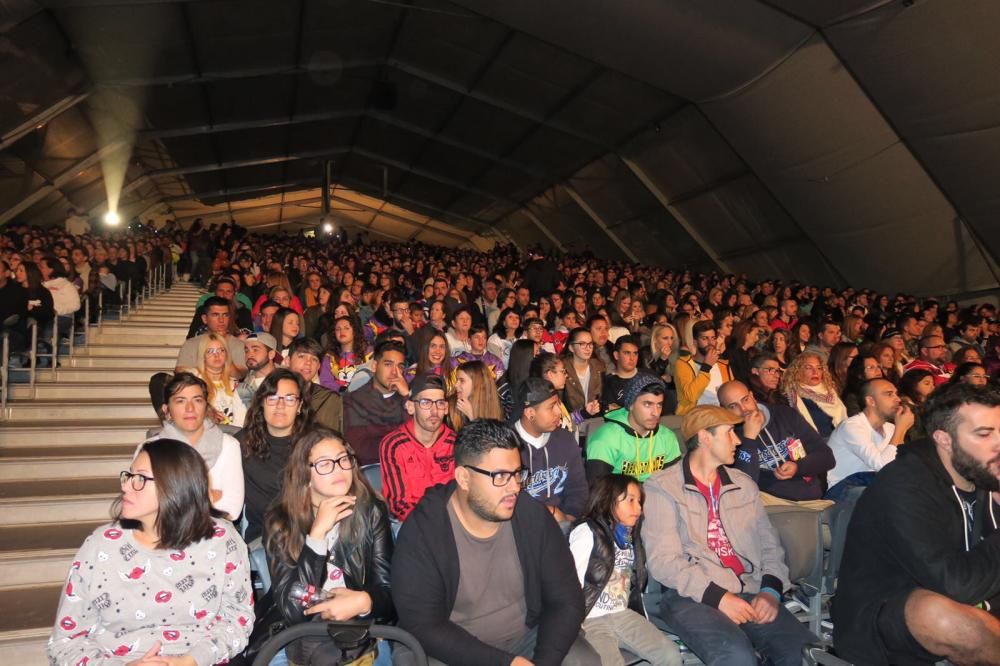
833	141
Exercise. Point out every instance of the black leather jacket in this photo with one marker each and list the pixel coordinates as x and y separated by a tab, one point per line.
366	567
602	563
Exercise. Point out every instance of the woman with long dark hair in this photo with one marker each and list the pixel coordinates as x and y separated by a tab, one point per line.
276	417
346	352
166	582
40	304
286	327
328	535
432	357
506	332
611	565
552	368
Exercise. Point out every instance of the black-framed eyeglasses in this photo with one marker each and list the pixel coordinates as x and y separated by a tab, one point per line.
426	403
324	466
501	478
137	480
289	399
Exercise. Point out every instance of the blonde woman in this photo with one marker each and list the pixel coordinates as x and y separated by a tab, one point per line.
810	388
475	395
219	373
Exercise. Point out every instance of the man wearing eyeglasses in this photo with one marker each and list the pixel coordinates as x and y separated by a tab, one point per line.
481	574
778	448
421	452
931	356
765	375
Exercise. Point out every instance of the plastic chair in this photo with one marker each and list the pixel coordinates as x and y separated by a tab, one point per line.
373	473
340	633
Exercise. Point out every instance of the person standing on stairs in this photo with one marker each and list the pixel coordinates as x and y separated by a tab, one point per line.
165	582
185	413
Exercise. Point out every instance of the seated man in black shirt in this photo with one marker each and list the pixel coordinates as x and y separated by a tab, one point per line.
626	356
482	573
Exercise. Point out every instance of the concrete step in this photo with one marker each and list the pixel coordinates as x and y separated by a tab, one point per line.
149	363
134	348
159	318
38	502
79	410
107	463
80	375
40	554
141	335
90	435
142	328
23	635
67	391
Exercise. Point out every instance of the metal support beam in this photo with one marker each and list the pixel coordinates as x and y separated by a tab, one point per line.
59	181
530	214
665	201
40	118
599	221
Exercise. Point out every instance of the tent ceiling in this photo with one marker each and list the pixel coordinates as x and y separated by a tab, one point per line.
826	140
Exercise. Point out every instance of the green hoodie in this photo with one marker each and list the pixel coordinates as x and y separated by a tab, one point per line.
617	444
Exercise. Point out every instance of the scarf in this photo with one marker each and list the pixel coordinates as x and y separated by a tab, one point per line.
824	398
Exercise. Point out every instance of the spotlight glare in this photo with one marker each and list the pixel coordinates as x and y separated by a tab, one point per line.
327	228
111	218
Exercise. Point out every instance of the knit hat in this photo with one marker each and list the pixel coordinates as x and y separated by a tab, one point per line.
265	339
638	385
706	416
424	382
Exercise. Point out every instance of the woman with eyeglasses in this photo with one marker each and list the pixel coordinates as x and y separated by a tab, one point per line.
328	535
584	373
219	374
166	582
185	412
277	416
809	387
971	373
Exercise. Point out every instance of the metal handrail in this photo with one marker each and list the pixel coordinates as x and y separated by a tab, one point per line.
4	376
33	354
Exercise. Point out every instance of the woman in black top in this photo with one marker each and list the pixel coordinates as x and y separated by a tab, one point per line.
40	306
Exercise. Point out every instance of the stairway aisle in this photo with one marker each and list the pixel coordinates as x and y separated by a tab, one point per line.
60	454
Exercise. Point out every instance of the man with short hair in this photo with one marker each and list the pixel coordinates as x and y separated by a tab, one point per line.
265	315
828	335
866	442
709	541
421	452
912	328
304	356
551	454
931	354
787	317
631	440
481	574
698	376
260	350
486	304
216	317
225	288
765	376
376	408
778	448
626	356
918	583
478	352
968	336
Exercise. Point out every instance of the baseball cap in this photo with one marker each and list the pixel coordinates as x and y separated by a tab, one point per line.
706	416
265	339
424	382
536	390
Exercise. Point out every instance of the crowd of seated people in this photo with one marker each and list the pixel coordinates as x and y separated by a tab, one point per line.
468	377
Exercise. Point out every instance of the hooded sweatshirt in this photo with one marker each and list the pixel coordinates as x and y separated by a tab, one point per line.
913	528
785	437
556	469
618	446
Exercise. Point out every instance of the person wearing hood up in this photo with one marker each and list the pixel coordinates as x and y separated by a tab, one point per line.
550	453
631	440
778	449
185	411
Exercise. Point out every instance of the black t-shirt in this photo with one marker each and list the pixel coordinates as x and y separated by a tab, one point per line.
613	390
969	508
262	479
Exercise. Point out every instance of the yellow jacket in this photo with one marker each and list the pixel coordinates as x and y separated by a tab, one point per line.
691	381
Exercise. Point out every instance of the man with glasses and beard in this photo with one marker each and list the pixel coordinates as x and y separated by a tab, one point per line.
482	573
919	580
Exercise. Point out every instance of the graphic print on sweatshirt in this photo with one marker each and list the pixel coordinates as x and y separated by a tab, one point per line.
548	482
772	456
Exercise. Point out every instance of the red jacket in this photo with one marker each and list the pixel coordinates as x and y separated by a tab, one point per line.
941	374
409	468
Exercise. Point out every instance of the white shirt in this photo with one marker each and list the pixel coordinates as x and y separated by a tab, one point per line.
710	396
857	447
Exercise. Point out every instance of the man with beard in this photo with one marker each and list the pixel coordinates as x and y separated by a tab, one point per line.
481	573
699	375
259	350
918	582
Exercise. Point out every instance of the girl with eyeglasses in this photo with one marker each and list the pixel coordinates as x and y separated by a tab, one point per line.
584	373
328	534
166	582
185	411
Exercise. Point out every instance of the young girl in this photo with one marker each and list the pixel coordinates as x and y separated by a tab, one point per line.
549	366
165	582
345	353
611	565
475	396
329	534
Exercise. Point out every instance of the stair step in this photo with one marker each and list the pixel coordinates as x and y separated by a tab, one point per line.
35	567
133	348
67	466
79	375
53	536
59	391
150	363
24	634
91	435
64	508
158	319
28	647
63	410
124	337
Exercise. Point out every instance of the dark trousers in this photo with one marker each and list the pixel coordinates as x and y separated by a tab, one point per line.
580	653
718	641
856	480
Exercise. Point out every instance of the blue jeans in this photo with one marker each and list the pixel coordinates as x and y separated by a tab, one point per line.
856	480
718	641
